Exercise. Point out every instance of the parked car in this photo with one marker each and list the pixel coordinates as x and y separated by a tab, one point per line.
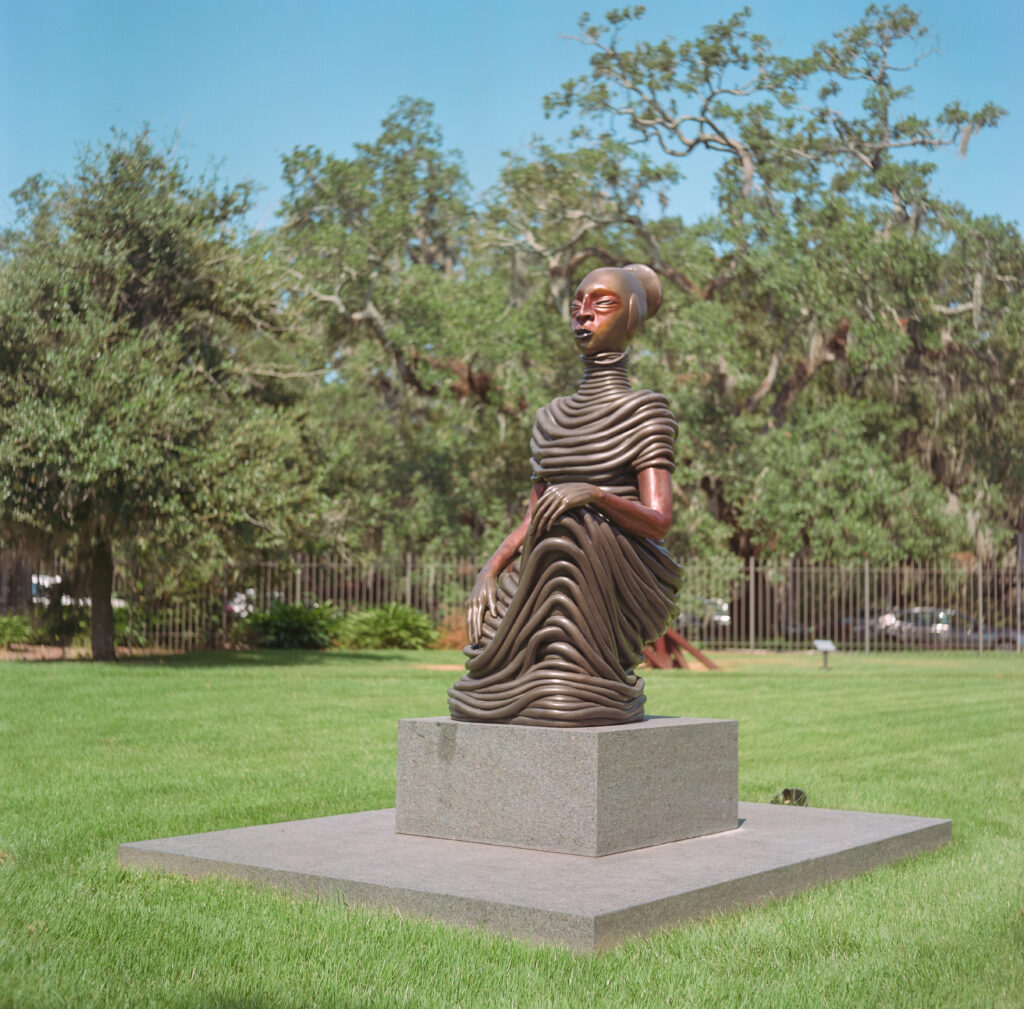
967	634
714	619
1001	638
946	627
877	623
928	625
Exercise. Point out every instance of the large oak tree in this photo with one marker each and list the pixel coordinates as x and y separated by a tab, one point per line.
844	344
132	415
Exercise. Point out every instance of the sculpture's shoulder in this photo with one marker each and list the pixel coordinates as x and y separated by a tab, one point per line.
550	419
657	428
655	401
653	409
556	406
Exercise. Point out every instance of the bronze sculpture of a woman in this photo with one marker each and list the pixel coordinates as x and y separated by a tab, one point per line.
555	636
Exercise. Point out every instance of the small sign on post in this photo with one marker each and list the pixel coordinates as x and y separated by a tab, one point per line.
824	645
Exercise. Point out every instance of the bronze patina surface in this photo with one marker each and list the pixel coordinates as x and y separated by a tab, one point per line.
556	633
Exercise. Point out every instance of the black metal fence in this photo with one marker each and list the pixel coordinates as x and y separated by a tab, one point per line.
731	604
209	618
867	607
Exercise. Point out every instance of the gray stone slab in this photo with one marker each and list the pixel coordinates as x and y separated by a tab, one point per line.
587	791
582	902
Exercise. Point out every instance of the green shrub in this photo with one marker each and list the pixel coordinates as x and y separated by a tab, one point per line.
391	626
14	630
137	638
287	625
59	624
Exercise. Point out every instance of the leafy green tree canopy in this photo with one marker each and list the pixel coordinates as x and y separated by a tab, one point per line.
833	282
129	420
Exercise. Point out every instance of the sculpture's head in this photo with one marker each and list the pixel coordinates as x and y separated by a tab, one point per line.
611	304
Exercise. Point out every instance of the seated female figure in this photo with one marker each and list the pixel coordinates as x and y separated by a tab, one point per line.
555	635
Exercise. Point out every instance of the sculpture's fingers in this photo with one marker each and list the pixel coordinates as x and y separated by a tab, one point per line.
557	507
546	512
537	523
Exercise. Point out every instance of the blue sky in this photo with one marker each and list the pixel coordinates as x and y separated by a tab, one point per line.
241	83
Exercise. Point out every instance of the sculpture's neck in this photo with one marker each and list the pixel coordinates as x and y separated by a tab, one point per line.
606	372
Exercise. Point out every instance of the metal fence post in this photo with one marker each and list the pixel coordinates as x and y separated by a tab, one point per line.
867	606
1020	570
750	606
131	600
981	612
225	599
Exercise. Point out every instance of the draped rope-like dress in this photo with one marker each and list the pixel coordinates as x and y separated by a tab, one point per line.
573	616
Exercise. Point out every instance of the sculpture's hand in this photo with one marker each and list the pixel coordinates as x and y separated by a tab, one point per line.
556	501
484	597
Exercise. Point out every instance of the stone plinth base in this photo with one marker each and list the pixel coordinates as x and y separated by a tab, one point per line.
574	837
588	791
577	901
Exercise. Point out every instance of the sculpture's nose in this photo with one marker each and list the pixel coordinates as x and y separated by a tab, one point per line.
584	310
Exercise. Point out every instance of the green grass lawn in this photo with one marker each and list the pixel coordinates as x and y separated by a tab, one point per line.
94	754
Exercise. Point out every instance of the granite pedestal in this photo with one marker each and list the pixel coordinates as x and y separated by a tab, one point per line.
578	901
593	791
586	901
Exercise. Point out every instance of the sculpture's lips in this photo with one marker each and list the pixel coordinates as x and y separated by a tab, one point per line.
582	334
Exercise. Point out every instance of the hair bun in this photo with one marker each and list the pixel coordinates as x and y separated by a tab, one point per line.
651	284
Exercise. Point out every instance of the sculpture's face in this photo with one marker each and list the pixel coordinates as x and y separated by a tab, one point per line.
600	313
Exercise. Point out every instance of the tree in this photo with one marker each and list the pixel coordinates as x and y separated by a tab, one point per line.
429	363
132	413
557	210
832	283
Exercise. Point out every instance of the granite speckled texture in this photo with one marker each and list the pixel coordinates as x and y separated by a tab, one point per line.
583	791
578	901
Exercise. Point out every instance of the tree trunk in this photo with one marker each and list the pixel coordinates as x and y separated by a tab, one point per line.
101	585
